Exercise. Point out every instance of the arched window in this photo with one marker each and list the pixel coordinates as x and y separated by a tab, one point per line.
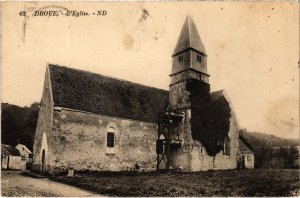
160	147
110	138
43	160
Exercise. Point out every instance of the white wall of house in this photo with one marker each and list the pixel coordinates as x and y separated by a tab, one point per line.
4	162
15	162
23	150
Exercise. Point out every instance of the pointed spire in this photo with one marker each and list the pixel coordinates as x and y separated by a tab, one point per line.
189	38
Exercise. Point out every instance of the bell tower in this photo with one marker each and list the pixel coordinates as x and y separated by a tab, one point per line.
189	61
189	87
187	135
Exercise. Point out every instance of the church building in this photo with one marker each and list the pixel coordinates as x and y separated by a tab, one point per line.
88	121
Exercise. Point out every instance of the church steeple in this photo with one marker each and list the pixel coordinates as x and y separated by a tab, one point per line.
189	38
189	55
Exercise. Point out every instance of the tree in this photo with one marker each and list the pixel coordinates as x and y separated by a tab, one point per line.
210	119
18	124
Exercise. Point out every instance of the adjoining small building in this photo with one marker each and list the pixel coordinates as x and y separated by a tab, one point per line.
246	156
26	155
11	158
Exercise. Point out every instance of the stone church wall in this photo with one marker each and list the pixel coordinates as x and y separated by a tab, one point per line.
181	157
78	140
44	126
193	157
202	161
179	96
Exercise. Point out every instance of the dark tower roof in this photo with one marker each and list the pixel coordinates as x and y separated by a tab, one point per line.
189	38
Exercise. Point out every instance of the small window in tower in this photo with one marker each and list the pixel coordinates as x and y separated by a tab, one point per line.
200	76
180	58
199	58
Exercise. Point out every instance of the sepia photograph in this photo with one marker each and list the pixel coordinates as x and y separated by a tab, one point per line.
150	99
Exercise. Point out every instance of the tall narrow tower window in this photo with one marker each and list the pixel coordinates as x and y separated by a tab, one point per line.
199	58
180	58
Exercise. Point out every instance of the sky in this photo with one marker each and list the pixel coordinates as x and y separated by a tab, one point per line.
252	48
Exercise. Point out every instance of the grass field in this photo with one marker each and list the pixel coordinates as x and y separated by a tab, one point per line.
258	182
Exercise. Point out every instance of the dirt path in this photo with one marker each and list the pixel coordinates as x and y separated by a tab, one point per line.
14	184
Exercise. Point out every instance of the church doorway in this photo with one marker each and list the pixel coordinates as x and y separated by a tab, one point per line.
43	160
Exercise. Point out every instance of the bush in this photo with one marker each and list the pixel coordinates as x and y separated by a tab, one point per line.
210	119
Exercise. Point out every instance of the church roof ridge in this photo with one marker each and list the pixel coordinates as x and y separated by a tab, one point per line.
96	93
189	38
106	76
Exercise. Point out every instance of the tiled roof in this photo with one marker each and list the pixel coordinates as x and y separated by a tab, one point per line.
86	91
9	150
243	148
216	95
